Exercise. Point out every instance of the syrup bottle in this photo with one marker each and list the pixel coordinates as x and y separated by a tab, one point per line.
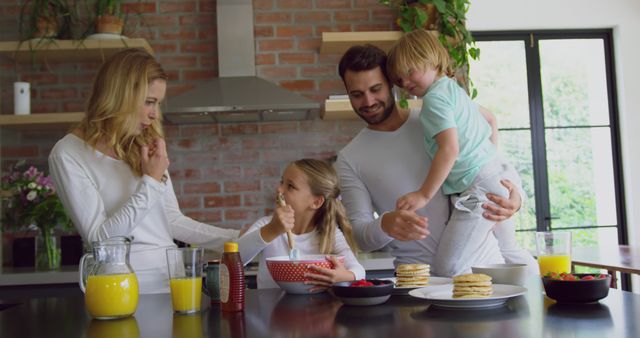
231	279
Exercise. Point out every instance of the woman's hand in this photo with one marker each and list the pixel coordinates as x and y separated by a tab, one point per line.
324	277
155	160
503	208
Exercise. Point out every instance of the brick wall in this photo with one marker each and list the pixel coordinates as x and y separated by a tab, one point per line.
223	173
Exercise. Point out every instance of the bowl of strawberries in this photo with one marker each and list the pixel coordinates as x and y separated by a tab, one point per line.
576	287
363	292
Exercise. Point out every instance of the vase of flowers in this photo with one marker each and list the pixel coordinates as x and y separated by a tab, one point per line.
48	251
31	203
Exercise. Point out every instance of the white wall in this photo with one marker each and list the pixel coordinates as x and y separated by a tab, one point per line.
623	16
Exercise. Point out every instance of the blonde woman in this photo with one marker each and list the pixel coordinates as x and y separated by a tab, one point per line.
111	170
315	214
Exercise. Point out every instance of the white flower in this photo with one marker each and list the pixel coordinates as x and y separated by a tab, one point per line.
32	195
32	185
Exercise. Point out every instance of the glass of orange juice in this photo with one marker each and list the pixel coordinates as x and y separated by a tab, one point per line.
554	251
185	278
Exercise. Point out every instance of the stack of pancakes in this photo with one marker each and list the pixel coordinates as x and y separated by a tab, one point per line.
472	285
412	275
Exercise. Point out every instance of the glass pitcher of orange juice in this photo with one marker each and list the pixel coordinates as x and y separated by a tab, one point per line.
107	279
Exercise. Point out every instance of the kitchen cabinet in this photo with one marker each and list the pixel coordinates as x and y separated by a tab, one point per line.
338	43
60	51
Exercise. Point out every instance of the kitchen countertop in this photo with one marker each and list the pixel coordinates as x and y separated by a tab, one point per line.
374	261
29	276
271	312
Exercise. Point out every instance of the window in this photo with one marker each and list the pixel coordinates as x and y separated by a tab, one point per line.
554	96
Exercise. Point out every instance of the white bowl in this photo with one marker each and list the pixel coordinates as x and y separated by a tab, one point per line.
510	274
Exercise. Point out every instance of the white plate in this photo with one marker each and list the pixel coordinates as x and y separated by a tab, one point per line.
105	36
403	290
442	295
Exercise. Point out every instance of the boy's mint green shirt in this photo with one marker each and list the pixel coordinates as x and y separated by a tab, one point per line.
446	105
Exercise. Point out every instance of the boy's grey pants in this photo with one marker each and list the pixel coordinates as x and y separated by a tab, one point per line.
467	231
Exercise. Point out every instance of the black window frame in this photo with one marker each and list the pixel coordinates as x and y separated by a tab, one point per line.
531	40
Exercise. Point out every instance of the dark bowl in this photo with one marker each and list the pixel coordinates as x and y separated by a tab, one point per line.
579	291
364	295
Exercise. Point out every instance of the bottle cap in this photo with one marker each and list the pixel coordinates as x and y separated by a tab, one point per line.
230	247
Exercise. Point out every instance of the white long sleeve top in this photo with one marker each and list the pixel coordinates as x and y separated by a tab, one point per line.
104	198
375	169
307	244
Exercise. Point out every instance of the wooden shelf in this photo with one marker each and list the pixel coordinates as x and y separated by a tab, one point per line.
339	42
39	119
51	50
341	109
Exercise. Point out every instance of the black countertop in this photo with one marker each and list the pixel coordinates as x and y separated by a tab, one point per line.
273	313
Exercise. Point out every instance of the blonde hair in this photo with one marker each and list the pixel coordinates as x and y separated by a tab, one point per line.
323	181
417	50
118	93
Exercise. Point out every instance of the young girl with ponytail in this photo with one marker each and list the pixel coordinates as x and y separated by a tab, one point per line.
317	219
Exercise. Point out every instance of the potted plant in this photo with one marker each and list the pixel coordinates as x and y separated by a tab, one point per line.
109	18
46	19
448	18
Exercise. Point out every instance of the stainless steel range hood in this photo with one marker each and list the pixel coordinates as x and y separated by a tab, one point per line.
237	95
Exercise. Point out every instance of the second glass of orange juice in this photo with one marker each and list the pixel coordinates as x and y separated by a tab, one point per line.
554	252
185	273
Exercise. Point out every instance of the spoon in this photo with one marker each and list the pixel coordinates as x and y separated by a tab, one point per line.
293	251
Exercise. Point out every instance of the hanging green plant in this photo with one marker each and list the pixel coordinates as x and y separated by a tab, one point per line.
448	17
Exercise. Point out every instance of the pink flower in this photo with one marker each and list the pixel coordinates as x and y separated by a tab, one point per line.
30	198
31	172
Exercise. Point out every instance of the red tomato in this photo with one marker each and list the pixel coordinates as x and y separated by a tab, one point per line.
361	282
588	278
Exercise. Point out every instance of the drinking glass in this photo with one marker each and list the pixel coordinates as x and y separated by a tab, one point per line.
554	251
185	273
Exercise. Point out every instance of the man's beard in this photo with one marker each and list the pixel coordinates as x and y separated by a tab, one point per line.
377	119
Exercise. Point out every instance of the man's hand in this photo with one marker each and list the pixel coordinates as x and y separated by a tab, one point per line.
405	225
505	208
412	201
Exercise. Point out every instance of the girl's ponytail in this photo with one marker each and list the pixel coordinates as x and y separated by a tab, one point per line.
323	181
